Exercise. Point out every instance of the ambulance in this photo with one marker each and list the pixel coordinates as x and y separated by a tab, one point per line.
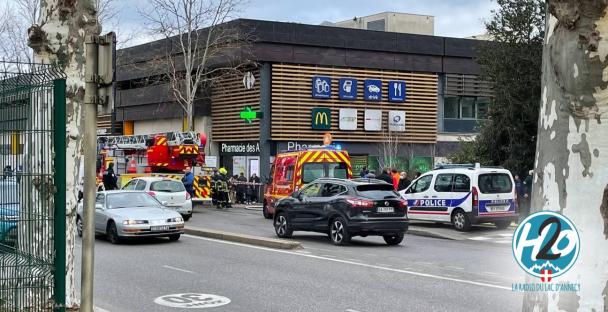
463	195
292	170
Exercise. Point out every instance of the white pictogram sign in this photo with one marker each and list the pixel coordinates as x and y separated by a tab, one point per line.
192	301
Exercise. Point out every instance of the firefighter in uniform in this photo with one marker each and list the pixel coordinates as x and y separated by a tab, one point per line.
223	200
214	187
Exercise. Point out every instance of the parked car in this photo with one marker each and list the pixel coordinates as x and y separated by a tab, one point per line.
344	208
128	214
9	212
171	193
463	195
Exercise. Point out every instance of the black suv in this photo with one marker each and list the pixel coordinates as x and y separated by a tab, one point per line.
343	209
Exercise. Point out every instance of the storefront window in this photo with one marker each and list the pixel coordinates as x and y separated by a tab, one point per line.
451	107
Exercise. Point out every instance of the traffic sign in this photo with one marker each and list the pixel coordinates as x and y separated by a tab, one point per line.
396	91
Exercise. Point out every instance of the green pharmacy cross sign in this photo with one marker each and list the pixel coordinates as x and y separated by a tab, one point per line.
247	114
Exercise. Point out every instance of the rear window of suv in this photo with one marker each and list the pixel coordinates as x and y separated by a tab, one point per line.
377	191
167	186
494	183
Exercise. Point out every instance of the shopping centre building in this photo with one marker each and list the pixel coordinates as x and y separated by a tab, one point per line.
367	88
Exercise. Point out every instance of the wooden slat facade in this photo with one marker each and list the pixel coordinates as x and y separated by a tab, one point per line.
228	98
467	85
292	104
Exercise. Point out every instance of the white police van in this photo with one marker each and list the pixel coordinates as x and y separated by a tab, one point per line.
463	195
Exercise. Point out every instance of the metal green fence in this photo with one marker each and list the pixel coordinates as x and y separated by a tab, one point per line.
32	187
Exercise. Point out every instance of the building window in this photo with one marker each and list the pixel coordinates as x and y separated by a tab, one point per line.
482	107
467	108
376	25
451	107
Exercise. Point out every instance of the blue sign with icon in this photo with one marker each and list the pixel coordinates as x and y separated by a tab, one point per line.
396	91
321	87
348	88
373	90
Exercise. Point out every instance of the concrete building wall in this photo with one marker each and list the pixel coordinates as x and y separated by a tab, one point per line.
393	22
157	125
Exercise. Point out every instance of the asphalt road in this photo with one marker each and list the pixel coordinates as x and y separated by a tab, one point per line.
422	274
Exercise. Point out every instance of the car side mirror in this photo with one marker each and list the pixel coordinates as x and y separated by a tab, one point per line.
99	206
164	203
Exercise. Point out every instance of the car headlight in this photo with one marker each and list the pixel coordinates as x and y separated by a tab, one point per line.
133	222
178	219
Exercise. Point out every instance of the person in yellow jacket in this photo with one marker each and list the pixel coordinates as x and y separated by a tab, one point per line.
222	186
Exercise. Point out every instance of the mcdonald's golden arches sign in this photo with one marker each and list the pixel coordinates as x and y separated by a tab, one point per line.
321	118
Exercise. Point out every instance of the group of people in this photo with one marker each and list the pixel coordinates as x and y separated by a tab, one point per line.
236	189
399	180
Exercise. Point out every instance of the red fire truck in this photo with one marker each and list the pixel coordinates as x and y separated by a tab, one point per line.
161	154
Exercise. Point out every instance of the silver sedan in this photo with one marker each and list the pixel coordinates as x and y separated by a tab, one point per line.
123	214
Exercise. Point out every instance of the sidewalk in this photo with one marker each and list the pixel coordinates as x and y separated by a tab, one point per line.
248	220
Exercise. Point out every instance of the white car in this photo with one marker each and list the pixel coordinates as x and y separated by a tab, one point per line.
171	193
463	195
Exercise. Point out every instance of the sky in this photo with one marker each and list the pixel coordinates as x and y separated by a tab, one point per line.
453	18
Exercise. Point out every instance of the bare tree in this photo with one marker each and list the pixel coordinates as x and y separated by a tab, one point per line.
196	36
571	171
388	149
58	38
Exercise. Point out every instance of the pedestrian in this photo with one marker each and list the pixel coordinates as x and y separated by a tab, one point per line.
214	187
8	172
385	176
395	178
109	178
519	190
241	188
223	201
527	195
404	182
254	187
364	172
370	175
232	188
417	175
19	173
188	181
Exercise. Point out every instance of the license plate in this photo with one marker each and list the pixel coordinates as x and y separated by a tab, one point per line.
386	209
497	208
160	228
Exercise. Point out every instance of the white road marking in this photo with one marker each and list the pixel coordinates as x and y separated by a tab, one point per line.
504	242
506	234
454	267
420	274
351	310
479	238
177	269
98	309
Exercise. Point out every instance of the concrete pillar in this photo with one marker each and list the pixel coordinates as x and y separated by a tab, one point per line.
440	101
265	128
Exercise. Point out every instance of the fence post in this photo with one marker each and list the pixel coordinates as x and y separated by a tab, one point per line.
59	244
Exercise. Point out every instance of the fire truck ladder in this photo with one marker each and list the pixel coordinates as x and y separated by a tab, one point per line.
139	142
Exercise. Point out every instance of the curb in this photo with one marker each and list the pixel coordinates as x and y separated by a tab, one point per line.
419	232
244	238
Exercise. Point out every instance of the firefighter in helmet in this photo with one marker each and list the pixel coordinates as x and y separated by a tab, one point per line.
214	187
223	200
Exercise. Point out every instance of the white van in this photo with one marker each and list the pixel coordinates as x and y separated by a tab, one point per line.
463	195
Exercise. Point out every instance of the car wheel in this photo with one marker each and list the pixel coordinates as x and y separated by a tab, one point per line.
265	211
79	226
281	226
338	232
187	217
461	221
503	224
395	239
112	233
174	238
